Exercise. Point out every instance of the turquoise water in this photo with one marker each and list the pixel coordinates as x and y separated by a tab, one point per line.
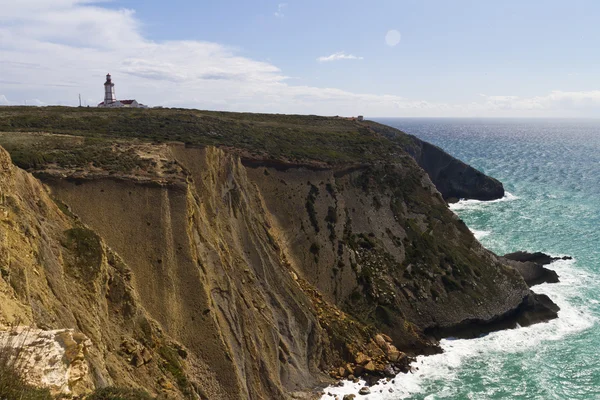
551	169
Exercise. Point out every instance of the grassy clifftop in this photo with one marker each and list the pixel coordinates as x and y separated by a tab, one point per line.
293	138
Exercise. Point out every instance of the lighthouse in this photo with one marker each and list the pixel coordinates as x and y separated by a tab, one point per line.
109	91
110	99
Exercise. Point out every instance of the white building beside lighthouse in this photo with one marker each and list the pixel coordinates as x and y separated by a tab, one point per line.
110	99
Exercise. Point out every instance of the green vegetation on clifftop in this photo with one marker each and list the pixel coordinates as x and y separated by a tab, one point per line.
293	138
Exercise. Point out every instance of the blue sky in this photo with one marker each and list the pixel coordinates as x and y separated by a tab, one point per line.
454	58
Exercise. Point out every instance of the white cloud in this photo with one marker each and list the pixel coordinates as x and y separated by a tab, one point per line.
53	50
340	55
280	8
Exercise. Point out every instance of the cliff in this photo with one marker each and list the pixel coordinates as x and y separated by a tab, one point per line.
61	278
238	271
453	178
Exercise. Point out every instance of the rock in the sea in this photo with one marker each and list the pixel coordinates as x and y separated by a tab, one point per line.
538	308
349	397
531	267
372	379
534	308
537	257
389	372
364	391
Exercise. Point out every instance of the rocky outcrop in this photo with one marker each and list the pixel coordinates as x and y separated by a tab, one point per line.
452	177
538	258
534	309
531	266
54	359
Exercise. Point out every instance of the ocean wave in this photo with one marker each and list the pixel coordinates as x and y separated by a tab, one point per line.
440	373
469	204
479	234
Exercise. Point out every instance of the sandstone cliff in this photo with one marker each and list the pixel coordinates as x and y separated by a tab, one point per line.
58	274
198	271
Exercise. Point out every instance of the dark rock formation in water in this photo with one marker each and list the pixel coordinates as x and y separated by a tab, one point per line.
535	308
531	266
537	257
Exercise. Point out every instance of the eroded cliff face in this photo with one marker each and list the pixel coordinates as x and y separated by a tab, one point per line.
207	269
57	274
244	277
380	242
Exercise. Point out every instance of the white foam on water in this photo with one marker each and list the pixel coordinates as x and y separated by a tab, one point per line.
480	234
445	367
471	204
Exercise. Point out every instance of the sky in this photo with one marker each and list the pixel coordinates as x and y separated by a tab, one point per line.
378	58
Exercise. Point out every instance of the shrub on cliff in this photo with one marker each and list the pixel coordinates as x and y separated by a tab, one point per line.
13	387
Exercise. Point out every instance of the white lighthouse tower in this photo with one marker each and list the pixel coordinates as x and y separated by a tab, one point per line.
109	91
110	100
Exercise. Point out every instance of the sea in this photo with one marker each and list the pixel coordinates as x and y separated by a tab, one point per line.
550	169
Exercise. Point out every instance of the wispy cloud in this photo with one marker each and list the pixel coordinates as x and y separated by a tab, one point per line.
280	9
340	55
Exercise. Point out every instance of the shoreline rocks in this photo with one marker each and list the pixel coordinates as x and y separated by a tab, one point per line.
535	308
531	266
537	257
383	360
